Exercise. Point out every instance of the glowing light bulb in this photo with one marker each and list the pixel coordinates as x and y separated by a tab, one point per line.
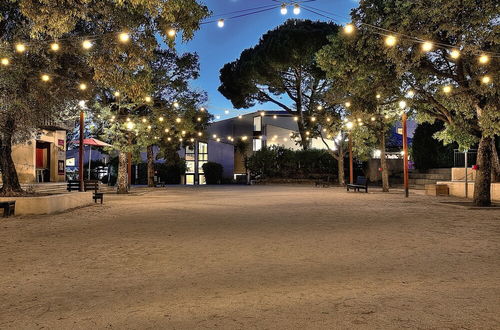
483	59
372	118
455	54
87	44
347	104
5	61
147	99
328	119
200	134
202	109
349	125
296	9
427	46
171	33
161	119
244	138
221	23
176	104
378	96
20	48
144	120
391	41
349	28
359	120
240	117
130	125
284	10
83	86
128	119
167	130
45	77
262	114
117	94
275	117
486	79
226	112
320	107
447	89
296	118
313	119
411	93
124	37
178	120
198	119
55	46
402	104
214	136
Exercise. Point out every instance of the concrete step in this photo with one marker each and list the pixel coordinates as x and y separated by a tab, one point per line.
431	176
434	171
423	181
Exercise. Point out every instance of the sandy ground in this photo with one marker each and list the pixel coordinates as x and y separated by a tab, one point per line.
253	257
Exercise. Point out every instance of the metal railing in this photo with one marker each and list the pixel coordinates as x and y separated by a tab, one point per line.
459	158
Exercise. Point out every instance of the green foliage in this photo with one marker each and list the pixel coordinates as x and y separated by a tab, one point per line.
279	162
281	65
427	152
213	172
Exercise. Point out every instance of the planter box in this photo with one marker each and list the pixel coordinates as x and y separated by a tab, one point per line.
437	190
50	204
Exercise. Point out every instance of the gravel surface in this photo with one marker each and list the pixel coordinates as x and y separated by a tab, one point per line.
260	257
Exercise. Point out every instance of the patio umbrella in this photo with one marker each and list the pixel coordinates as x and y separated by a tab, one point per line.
93	142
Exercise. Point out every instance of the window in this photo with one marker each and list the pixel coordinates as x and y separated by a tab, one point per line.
257	124
202	159
190	179
257	144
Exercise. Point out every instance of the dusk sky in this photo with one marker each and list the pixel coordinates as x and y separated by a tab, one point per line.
218	46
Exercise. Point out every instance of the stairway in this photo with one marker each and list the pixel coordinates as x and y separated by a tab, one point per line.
59	188
418	180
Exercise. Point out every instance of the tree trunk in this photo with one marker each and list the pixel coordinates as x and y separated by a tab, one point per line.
122	173
10	180
151	167
383	164
341	172
303	136
495	170
482	186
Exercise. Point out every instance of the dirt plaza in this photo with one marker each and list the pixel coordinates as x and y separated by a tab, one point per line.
262	257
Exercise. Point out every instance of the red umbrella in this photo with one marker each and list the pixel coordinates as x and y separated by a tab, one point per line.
92	142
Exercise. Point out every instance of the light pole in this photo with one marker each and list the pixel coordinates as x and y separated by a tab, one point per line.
81	146
349	126
402	105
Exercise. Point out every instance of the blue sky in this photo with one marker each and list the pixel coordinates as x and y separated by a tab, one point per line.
217	46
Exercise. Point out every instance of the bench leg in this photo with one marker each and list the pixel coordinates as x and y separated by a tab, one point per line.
102	200
6	212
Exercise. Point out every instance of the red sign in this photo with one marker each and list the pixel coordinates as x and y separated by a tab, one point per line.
60	142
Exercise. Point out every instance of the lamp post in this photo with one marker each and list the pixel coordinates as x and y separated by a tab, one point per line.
349	126
402	105
81	146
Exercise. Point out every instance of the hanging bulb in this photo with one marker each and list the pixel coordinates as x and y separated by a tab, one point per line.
87	44
221	23
147	99
349	28
117	94
171	33
55	46
402	104
5	61
347	104
177	120
45	77
124	37
427	46
83	86
176	104
455	54
20	48
296	9
483	59
447	89
284	10
486	79
391	41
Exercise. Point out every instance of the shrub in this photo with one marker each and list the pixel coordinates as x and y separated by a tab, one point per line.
213	172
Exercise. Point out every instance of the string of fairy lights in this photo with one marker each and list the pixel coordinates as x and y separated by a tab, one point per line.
390	39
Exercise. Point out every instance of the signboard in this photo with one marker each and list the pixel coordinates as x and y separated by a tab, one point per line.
60	142
60	167
70	162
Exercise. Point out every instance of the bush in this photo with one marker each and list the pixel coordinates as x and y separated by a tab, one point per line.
213	172
279	162
171	173
427	152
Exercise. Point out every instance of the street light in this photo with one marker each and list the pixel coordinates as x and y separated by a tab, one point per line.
402	105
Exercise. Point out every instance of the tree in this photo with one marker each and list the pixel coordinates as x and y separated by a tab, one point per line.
108	64
427	152
282	64
448	76
367	86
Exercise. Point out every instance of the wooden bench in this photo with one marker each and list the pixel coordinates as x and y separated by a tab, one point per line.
361	183
9	208
73	185
94	185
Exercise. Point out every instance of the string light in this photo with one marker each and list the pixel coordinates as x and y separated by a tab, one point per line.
5	61
427	46
198	119
176	104
275	117
200	134
411	93
486	79
483	59
117	94
214	136
262	114
171	33
447	89
373	118
402	104
320	107
130	125
349	28
20	48
347	104
313	119
178	120
161	119
296	118
144	120
147	99
87	44
240	117
455	54
226	112
349	125
128	119
45	77
124	37
202	109
378	96
391	41
284	10
296	9
221	23
244	138
83	86
167	130
55	46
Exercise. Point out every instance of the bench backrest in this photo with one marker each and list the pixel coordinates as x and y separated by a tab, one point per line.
362	181
91	185
73	185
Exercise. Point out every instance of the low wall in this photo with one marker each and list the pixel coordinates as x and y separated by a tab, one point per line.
50	204
458	189
458	174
